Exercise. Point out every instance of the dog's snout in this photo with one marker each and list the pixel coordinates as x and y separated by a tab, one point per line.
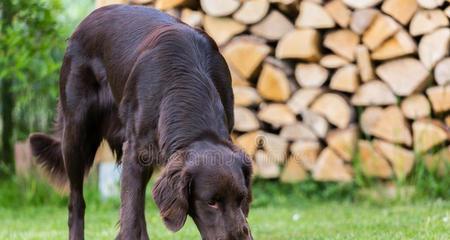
245	230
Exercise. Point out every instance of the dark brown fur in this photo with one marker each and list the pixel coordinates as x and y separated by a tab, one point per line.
160	93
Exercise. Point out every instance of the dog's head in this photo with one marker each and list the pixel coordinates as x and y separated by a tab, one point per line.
211	183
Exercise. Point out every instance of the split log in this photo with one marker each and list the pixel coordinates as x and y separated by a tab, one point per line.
447	11
369	118
439	162
333	61
245	54
373	93
360	4
102	3
293	171
301	99
310	75
299	44
364	63
402	159
141	2
297	131
392	126
245	120
430	4
274	145
339	12
236	78
273	83
222	29
404	76
330	167
372	163
306	152
246	96
221	8
313	15
439	97
362	19
428	133
343	142
401	10
442	72
433	47
252	11
266	168
248	142
416	106
381	29
191	17
164	5
273	27
345	79
342	42
334	108
315	122
277	115
400	44
426	21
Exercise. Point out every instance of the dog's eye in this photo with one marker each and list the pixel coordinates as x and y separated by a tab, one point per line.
213	204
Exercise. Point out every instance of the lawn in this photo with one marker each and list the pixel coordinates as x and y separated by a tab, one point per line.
296	220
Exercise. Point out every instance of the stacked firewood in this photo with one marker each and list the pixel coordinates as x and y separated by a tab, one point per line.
322	86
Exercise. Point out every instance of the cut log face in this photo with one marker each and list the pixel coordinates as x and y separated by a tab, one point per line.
298	131
364	63
333	61
362	19
219	8
343	142
426	21
246	96
273	27
369	118
191	17
293	171
428	133
299	44
345	79
273	83
404	76
343	43
330	167
301	99
315	122
334	108
339	12
372	163
433	47
360	4
266	168
277	115
439	161
400	44
439	97
275	146
392	126
381	29
237	79
310	75
401	10
306	152
442	72
430	4
249	142
401	159
373	93
245	120
245	54
313	15
164	5
416	106
222	29
252	11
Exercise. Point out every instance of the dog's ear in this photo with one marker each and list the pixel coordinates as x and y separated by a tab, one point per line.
171	193
247	172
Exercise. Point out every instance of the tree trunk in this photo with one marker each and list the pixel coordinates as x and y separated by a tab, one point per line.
7	106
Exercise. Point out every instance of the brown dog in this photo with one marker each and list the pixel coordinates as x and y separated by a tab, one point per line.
160	93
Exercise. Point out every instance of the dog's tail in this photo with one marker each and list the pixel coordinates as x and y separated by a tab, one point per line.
48	152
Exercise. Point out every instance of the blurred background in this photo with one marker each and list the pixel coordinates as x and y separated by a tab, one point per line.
342	104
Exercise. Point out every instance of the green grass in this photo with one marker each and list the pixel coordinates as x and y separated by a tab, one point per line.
322	220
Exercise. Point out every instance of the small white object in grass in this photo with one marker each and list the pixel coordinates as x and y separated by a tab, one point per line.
445	219
296	217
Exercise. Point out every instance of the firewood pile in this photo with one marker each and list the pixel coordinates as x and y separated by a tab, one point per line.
322	86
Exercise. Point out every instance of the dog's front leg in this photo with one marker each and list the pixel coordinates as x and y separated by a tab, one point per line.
135	176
